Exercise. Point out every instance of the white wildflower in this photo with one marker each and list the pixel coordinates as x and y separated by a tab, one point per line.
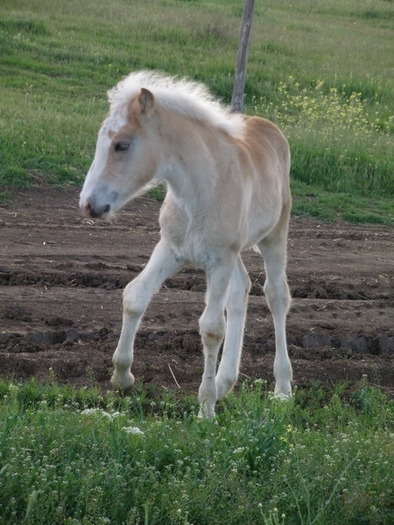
100	412
133	430
90	411
239	450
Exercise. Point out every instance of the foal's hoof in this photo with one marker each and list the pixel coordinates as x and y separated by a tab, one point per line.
122	381
207	411
283	391
282	397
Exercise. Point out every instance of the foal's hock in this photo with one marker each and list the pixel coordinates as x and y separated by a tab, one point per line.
227	179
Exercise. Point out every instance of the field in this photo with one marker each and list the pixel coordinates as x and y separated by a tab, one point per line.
87	456
73	452
61	285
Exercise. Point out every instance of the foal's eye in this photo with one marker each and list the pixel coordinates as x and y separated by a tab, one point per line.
122	146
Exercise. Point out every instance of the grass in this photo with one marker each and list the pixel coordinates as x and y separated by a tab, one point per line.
79	457
321	70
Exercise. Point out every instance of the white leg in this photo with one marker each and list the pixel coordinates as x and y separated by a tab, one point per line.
136	297
236	305
278	299
212	328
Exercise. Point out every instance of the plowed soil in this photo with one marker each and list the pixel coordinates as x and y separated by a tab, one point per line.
61	281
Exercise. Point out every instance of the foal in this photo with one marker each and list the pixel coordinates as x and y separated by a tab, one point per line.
227	179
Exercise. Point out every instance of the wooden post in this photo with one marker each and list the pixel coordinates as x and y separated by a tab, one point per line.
237	100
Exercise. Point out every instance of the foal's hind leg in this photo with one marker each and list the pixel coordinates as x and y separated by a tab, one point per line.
136	297
273	249
236	305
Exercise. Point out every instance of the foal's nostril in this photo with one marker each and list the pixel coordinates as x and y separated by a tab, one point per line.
96	213
93	213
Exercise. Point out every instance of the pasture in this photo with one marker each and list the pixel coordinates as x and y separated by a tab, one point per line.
73	453
321	70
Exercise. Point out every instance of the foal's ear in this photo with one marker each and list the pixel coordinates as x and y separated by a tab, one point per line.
146	101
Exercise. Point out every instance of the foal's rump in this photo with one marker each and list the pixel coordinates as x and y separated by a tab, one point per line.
265	161
268	149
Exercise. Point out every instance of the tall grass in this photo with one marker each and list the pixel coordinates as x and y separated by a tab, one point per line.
59	58
75	456
339	137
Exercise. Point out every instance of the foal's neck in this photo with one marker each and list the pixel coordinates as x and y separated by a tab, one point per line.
191	167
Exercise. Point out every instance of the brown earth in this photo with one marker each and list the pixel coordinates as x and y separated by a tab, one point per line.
61	281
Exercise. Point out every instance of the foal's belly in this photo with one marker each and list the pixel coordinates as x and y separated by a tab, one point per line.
203	244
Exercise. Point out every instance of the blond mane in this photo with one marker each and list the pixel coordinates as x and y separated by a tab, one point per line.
185	97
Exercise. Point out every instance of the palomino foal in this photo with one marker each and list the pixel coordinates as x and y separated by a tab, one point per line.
227	179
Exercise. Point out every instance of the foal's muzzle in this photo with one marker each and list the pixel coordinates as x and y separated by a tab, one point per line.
95	211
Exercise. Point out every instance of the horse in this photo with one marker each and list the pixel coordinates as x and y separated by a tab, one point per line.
227	190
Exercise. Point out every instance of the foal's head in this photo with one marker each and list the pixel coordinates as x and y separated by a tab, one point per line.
138	142
126	157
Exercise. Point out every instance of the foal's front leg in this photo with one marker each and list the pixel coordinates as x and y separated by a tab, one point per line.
136	296
212	329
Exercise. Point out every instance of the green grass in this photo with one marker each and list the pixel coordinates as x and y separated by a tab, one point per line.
321	70
313	201
77	456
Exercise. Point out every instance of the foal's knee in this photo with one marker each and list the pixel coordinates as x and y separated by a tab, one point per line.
212	331
134	300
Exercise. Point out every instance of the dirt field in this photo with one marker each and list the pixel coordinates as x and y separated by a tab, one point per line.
61	281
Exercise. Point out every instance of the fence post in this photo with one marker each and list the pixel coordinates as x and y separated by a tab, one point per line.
237	100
